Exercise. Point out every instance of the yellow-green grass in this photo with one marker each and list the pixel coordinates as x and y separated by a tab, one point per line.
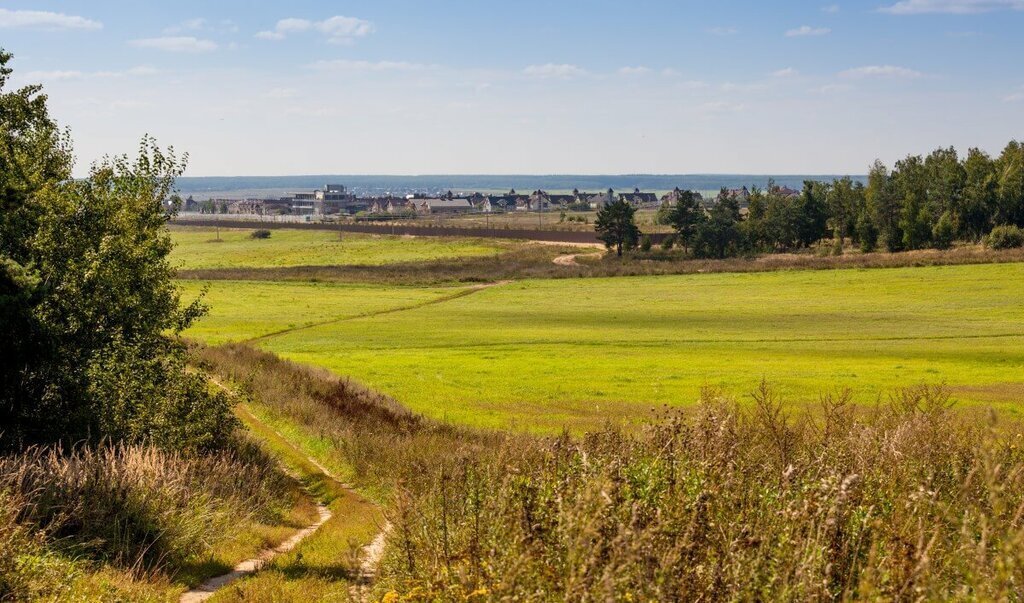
198	248
246	309
324	566
543	354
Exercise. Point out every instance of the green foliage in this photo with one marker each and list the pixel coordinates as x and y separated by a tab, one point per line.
867	234
1010	168
1006	237
645	243
685	217
87	294
668	242
719	236
944	232
261	233
616	227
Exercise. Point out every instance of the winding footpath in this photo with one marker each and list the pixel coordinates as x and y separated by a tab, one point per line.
371	553
570	258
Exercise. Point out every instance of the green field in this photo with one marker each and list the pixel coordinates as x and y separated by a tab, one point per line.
242	310
198	248
546	353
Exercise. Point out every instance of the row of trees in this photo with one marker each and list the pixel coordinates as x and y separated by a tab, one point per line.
923	202
87	300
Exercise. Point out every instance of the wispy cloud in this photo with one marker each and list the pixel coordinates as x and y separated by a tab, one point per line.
338	29
349	65
554	70
830	9
57	75
1015	97
787	72
723	31
41	19
887	71
202	24
185	44
807	30
637	70
952	7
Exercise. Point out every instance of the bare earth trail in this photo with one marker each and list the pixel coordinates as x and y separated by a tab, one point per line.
371	553
570	259
440	300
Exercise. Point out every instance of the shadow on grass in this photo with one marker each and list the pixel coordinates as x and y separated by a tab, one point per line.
198	571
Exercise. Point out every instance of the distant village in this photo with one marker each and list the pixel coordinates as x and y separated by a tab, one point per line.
336	199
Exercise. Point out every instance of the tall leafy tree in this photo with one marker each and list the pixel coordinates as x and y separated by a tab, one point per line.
719	236
685	216
1010	171
973	213
616	226
87	296
883	206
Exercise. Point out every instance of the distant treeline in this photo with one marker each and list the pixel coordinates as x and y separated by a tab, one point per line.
922	202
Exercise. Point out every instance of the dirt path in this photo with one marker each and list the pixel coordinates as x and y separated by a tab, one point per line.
570	259
250	566
371	553
440	300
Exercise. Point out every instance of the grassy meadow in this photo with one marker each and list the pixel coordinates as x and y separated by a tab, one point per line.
198	248
543	354
242	310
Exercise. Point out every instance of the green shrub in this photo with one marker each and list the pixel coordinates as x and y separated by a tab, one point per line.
645	243
1005	237
867	234
668	242
943	232
261	233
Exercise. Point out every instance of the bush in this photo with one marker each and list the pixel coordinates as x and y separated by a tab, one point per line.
867	234
943	232
668	242
645	243
1006	237
262	233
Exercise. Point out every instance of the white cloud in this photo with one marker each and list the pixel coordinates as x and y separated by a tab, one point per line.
830	9
188	44
952	7
348	65
723	31
890	71
638	70
57	75
787	72
1015	97
554	70
39	19
833	88
807	30
338	29
202	24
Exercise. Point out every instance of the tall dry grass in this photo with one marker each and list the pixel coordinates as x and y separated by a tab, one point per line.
133	507
909	500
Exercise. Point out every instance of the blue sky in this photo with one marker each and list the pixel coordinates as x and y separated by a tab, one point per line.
556	86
